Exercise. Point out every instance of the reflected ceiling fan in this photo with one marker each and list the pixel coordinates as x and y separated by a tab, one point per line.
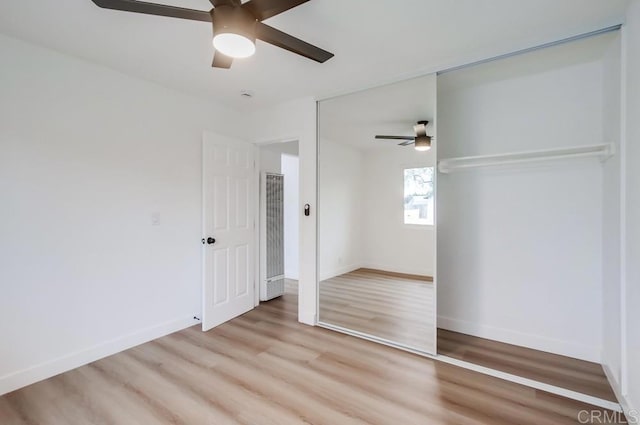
236	26
420	141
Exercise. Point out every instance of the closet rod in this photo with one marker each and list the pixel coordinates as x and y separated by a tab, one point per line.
452	164
534	48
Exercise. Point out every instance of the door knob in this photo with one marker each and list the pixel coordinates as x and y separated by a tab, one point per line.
211	240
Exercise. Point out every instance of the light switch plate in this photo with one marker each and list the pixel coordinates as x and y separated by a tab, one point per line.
155	219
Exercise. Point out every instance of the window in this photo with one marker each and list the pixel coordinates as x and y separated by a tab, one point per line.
418	196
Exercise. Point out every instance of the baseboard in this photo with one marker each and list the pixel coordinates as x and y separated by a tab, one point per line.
632	414
615	385
536	342
423	278
402	270
337	272
22	378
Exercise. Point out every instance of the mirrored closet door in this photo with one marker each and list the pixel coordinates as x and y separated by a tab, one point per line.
527	224
376	233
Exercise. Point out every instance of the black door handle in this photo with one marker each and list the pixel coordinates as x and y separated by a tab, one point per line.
211	241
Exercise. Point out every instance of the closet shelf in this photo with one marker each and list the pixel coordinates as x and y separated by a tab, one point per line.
603	151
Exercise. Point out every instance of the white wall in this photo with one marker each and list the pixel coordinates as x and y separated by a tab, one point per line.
270	161
388	243
290	169
519	248
296	120
632	210
87	156
361	211
341	210
611	174
271	155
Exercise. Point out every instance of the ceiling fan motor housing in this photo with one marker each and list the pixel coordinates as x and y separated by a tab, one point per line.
234	20
420	128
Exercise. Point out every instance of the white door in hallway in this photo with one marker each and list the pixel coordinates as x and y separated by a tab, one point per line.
228	229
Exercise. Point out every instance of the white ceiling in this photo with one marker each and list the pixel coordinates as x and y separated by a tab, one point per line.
375	41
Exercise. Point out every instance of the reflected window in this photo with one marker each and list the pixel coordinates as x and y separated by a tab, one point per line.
418	196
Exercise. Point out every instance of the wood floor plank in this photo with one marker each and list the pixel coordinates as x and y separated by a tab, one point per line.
573	374
399	309
265	368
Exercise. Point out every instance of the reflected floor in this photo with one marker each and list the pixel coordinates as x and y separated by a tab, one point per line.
394	308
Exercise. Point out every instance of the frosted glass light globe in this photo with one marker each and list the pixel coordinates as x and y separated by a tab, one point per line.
234	45
423	143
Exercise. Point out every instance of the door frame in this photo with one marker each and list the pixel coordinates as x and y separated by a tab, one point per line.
258	229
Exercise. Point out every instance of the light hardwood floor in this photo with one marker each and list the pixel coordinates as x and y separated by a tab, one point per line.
573	374
398	309
401	310
266	368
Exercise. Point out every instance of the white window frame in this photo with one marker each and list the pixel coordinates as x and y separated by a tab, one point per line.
415	225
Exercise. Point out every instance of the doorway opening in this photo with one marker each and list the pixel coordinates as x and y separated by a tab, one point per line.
279	223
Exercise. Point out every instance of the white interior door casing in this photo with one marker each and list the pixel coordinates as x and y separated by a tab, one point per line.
229	214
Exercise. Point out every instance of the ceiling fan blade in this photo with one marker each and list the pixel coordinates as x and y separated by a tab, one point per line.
221	61
285	41
218	3
154	9
407	143
265	9
396	137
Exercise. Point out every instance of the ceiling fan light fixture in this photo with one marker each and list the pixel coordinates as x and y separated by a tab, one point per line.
422	143
234	32
240	20
234	45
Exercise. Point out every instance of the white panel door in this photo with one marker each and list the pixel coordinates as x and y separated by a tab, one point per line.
228	229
